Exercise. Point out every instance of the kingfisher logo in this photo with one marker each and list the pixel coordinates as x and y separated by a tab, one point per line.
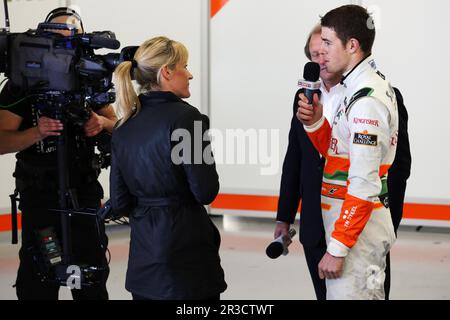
369	122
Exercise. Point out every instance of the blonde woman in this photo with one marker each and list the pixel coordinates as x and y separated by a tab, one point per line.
159	180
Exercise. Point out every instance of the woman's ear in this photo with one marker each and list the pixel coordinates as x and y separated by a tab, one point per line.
166	73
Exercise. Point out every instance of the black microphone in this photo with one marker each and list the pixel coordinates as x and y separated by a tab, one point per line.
310	82
279	247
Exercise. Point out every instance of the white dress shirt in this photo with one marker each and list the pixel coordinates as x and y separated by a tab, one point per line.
330	101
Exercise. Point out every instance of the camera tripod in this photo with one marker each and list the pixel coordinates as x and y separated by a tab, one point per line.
54	262
68	207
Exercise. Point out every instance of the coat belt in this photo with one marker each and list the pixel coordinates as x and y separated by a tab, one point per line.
163	202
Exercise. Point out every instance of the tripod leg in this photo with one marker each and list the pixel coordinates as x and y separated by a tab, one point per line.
73	195
63	172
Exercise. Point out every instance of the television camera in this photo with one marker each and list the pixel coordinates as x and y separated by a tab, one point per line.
65	80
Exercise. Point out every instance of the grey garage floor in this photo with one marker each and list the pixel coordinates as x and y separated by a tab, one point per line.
420	264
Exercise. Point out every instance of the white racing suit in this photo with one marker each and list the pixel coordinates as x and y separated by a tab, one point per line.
359	151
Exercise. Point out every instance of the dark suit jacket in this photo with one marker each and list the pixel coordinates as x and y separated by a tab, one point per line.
401	167
302	179
174	248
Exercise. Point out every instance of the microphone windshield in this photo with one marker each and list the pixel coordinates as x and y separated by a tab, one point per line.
274	250
311	72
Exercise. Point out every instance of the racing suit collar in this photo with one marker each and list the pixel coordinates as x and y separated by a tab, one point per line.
365	63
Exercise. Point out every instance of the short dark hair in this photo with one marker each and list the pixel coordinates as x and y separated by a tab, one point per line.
317	30
352	21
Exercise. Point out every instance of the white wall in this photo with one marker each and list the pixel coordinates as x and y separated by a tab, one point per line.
26	15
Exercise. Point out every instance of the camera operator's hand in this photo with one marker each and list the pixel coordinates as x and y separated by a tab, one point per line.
49	127
94	125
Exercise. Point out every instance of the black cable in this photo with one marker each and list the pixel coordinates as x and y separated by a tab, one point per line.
17	102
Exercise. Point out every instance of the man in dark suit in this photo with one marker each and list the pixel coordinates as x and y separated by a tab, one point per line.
398	175
303	171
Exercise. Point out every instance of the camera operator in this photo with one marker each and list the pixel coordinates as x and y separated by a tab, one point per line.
25	130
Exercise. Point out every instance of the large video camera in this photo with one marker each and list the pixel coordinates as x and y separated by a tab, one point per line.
62	74
43	61
49	66
64	80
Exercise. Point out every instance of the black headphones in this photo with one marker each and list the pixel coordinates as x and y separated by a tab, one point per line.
64	11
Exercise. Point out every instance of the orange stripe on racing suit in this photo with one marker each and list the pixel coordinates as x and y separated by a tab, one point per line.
336	164
321	138
354	215
333	191
384	170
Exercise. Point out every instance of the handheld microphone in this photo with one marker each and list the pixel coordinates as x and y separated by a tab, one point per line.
278	247
310	82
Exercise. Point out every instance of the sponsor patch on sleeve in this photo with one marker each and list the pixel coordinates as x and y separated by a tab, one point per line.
366	139
370	122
